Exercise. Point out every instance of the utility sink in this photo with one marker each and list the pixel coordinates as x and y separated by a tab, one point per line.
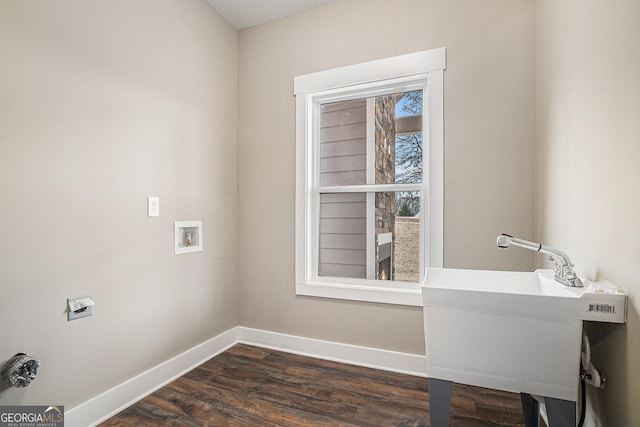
513	331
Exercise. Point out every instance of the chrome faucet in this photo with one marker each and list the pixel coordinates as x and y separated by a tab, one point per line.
562	265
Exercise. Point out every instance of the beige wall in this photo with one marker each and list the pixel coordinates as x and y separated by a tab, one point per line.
489	146
588	165
103	103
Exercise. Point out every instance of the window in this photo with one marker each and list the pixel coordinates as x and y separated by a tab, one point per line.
369	178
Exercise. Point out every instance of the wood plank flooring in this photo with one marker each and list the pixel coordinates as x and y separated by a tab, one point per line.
250	386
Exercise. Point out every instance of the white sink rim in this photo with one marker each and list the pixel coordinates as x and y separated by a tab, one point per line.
533	295
540	282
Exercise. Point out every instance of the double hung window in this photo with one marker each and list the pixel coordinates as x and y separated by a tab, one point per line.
369	145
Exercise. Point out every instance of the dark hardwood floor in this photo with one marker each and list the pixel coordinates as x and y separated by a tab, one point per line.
250	386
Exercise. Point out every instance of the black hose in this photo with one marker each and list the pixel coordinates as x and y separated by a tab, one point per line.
583	389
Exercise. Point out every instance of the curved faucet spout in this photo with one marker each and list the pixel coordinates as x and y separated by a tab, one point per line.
562	265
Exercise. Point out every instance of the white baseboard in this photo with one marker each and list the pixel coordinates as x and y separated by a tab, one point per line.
385	360
112	401
109	403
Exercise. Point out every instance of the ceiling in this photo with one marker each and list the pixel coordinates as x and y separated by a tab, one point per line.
247	13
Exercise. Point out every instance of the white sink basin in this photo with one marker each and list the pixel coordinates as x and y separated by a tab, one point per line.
533	295
514	331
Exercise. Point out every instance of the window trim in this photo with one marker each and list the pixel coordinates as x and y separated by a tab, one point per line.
431	64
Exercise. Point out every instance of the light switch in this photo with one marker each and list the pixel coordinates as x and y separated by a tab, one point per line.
153	206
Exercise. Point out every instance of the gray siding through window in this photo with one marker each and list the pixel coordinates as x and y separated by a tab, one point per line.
343	220
343	151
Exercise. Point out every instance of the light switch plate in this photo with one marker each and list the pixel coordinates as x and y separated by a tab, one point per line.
153	206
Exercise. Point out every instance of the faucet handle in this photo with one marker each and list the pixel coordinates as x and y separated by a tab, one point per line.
557	266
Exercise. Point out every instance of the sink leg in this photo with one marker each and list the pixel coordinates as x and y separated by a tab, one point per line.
561	413
440	402
530	410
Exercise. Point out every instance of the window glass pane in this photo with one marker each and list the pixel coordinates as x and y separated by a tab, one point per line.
343	148
343	235
398	138
370	235
395	146
406	242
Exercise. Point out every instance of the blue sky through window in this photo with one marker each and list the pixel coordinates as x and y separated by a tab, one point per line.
410	104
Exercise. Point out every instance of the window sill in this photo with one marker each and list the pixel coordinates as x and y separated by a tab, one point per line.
410	295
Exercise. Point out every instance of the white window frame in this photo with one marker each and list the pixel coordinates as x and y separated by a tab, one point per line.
427	66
